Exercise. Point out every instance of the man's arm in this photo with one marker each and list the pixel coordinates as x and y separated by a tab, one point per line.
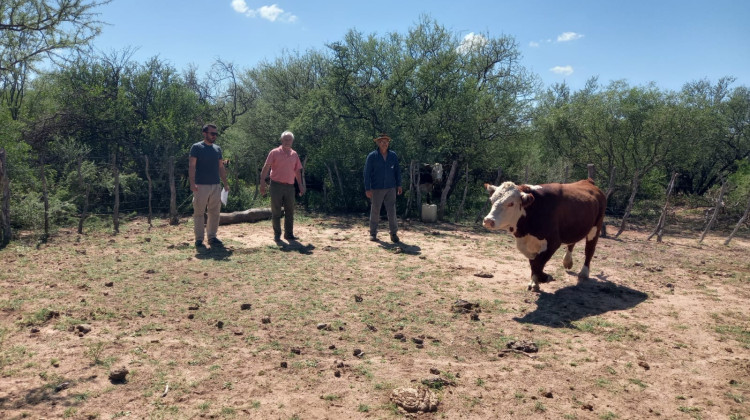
191	173
263	175
298	175
223	174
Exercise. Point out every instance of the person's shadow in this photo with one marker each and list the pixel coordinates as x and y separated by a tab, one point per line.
587	298
294	245
215	252
400	247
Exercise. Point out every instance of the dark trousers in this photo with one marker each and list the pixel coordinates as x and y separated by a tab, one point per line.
282	195
379	197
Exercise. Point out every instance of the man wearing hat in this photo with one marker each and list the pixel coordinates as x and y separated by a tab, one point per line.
382	184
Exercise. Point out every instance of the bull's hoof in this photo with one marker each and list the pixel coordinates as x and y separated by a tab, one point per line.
584	274
546	278
533	287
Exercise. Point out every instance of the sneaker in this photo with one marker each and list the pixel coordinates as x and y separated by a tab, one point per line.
374	238
394	238
198	243
215	242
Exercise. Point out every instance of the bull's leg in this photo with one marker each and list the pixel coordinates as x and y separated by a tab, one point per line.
591	240
537	269
568	258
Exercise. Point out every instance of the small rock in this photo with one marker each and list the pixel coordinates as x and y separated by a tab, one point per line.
245	306
237	332
357	298
524	346
484	275
266	320
547	394
296	350
64	385
358	353
463	306
372	328
417	340
398	336
118	375
147	239
150	271
193	308
83	328
337	374
109	284
283	365
434	371
324	326
332	347
644	365
474	316
587	407
191	316
220	324
34	330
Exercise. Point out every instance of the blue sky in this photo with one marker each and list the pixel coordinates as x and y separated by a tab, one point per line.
669	42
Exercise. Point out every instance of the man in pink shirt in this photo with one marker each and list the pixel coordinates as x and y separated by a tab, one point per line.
285	168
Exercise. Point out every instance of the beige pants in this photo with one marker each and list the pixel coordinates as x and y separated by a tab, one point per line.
207	200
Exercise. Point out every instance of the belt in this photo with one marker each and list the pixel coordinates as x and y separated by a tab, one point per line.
282	183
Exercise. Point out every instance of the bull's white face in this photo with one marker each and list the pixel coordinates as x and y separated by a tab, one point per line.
506	209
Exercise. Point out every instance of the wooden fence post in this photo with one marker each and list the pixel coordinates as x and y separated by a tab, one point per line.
740	222
714	216
148	176
116	208
659	230
590	168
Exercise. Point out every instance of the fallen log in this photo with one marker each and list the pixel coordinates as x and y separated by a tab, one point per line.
250	215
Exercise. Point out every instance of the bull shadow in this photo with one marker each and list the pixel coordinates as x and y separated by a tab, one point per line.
587	298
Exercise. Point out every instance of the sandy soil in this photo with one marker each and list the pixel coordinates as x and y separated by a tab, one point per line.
329	326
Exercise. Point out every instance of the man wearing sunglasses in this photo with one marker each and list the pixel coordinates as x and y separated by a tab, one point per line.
207	172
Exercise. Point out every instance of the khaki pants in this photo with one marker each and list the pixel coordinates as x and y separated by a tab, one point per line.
379	197
282	195
207	200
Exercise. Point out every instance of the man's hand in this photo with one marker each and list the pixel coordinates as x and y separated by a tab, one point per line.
400	191
262	188
301	190
368	193
193	187
226	188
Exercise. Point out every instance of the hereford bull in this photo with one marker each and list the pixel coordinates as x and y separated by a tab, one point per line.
543	217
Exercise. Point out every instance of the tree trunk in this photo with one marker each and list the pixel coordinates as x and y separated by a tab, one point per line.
610	188
590	169
330	175
87	191
486	205
565	174
659	230
714	216
338	177
418	189
742	220
251	215
411	189
5	232
174	219
635	184
45	198
460	212
148	177
116	208
446	190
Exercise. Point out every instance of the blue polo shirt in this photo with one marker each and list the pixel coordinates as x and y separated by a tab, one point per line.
382	173
207	163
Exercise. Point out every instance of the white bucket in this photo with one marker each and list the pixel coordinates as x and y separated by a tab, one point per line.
429	213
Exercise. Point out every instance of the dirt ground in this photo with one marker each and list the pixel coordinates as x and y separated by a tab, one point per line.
143	325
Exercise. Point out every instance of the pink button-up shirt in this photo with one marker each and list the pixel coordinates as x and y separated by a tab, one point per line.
283	165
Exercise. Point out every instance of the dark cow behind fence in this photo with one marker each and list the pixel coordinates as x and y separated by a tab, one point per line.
543	217
431	181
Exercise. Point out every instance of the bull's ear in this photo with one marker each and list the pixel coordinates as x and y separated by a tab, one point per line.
490	188
526	199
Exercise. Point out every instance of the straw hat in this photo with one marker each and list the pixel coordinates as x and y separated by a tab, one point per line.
382	136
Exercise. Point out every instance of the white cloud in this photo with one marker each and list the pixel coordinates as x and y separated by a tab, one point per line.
471	42
568	36
271	13
533	44
564	70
